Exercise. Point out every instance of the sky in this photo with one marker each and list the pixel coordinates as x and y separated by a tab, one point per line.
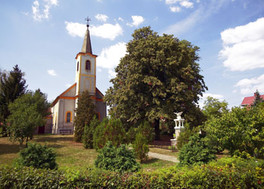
44	36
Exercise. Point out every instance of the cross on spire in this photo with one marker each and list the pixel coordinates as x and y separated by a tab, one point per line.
88	21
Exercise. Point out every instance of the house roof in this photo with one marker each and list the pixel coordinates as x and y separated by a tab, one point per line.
58	97
250	100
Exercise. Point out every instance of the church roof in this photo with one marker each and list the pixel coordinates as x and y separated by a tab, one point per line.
87	47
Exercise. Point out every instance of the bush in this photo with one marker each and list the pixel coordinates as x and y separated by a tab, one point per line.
184	136
88	133
37	156
119	159
225	173
141	147
196	151
109	130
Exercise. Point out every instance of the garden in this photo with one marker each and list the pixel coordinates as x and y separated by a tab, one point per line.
217	148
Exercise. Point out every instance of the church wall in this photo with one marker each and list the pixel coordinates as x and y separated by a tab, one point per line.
65	106
55	114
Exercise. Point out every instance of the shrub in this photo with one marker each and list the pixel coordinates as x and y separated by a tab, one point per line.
88	133
196	151
140	146
109	130
224	173
37	156
184	136
119	159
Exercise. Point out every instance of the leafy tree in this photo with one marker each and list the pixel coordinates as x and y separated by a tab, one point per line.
185	135
214	108
38	156
240	130
12	86
84	114
258	99
119	159
158	76
196	151
88	133
27	112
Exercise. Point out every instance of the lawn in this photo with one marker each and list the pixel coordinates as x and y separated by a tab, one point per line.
71	154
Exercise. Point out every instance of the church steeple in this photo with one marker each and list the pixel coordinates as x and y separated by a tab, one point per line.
87	47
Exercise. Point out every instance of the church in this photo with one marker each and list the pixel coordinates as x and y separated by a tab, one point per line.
63	107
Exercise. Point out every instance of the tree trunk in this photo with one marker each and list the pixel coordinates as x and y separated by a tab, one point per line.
157	129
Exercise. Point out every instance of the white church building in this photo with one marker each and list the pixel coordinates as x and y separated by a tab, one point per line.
63	107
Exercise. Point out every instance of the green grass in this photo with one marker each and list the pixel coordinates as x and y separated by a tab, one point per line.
69	153
153	164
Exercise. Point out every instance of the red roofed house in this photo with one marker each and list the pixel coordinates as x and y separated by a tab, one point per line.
248	101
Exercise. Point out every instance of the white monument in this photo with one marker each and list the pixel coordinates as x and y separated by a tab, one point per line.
179	124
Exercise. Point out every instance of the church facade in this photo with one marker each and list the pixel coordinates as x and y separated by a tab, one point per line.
63	107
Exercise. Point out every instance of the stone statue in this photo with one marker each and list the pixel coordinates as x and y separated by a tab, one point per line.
178	115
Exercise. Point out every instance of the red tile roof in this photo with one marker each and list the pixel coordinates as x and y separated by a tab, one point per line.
249	100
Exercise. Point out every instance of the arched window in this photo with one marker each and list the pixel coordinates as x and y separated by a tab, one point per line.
88	65
68	117
77	66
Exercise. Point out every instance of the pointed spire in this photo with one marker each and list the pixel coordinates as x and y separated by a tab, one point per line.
87	47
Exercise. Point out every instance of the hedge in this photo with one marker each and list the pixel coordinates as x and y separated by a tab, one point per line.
226	173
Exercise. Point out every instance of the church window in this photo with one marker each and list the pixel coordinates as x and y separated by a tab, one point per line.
88	65
68	118
77	66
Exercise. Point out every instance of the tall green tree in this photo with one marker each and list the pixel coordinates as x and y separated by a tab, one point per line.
214	107
12	86
159	75
26	113
84	115
257	99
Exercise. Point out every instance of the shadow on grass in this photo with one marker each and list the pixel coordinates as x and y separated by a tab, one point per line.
53	139
150	161
10	148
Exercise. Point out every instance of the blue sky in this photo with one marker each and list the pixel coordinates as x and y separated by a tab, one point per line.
43	37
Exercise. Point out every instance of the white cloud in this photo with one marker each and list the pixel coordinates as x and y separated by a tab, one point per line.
243	46
249	86
42	12
109	57
52	72
186	4
137	20
175	9
107	31
120	19
77	29
101	17
169	2
111	74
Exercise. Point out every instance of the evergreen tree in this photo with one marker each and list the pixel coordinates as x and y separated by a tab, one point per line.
84	114
258	99
159	75
12	86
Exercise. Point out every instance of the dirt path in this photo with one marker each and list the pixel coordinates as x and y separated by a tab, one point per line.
163	157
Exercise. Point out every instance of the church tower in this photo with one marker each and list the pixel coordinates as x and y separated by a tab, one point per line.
64	106
86	67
